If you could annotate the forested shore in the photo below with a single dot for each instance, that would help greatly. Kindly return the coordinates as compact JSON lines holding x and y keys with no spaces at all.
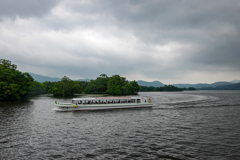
{"x":165,"y":88}
{"x":15,"y":85}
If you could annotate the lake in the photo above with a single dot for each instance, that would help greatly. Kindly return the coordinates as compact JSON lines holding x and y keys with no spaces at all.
{"x":180,"y":126}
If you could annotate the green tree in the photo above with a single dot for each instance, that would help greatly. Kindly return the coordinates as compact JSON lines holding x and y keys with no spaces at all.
{"x":98,"y":86}
{"x":91,"y":87}
{"x":191,"y":89}
{"x":14,"y":85}
{"x":135,"y":86}
{"x":66,"y":87}
{"x":120,"y":86}
{"x":37,"y":88}
{"x":102,"y":82}
{"x":48,"y":86}
{"x":164,"y":88}
{"x":77,"y":87}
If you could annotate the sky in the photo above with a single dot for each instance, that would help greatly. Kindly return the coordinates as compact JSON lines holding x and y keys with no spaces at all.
{"x":172,"y":41}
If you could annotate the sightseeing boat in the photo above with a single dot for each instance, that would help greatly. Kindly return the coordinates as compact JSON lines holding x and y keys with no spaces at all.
{"x":104,"y":103}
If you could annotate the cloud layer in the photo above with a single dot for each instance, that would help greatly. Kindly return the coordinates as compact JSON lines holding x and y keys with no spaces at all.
{"x":170,"y":41}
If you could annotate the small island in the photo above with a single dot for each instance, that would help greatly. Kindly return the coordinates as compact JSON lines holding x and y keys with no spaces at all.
{"x":15,"y":85}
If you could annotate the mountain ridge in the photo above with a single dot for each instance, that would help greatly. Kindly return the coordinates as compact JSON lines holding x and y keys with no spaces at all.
{"x":202,"y":85}
{"x":41,"y":78}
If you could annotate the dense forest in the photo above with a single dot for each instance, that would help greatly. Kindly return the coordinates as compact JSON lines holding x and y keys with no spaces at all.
{"x":114,"y":85}
{"x":15,"y":85}
{"x":164,"y":88}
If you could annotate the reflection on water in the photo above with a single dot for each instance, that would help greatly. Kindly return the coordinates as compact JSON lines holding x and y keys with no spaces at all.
{"x":181,"y":125}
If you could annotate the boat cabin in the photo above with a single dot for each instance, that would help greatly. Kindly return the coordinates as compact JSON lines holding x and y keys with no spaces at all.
{"x":106,"y":100}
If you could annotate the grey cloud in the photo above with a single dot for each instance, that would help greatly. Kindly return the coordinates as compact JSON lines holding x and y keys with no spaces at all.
{"x":207,"y":33}
{"x":26,"y":8}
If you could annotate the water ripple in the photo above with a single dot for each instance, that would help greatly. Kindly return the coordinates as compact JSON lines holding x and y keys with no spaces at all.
{"x":181,"y":126}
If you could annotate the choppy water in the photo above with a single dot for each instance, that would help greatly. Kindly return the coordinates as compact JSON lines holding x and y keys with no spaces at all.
{"x":180,"y":126}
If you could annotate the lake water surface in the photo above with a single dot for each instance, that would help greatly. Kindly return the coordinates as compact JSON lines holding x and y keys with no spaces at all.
{"x":180,"y":126}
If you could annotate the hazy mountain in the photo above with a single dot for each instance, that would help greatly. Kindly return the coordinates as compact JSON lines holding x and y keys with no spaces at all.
{"x":202,"y":85}
{"x":220,"y":84}
{"x":154,"y":83}
{"x":41,"y":78}
{"x":235,"y":86}
{"x":235,"y":81}
{"x":86,"y":80}
{"x":199,"y":85}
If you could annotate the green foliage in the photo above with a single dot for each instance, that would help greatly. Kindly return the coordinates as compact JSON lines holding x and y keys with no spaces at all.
{"x":37,"y":88}
{"x":120,"y":86}
{"x":97,"y":86}
{"x":77,"y":87}
{"x":165,"y":88}
{"x":114,"y":85}
{"x":48,"y":86}
{"x":66,"y":87}
{"x":14,"y":85}
{"x":135,"y":86}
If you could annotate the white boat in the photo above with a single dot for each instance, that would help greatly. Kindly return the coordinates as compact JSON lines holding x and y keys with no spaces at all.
{"x":103,"y":103}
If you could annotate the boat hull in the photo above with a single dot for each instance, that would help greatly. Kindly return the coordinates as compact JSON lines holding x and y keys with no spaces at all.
{"x":101,"y":107}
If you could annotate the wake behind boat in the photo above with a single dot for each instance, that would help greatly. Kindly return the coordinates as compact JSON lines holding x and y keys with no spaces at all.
{"x":103,"y":103}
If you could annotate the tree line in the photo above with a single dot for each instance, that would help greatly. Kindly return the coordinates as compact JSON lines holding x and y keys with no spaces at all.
{"x":15,"y":85}
{"x":164,"y":88}
{"x":115,"y":85}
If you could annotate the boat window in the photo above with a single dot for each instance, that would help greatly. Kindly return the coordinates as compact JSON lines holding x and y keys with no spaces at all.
{"x":73,"y":101}
{"x":79,"y":102}
{"x":138,"y":100}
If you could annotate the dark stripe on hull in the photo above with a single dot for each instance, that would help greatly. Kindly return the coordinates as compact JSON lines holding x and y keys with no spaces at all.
{"x":93,"y":108}
{"x":111,"y":108}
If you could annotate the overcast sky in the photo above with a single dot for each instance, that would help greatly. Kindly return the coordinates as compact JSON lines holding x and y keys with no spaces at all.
{"x":172,"y":41}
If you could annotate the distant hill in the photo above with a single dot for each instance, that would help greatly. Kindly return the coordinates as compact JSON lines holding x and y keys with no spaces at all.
{"x":202,"y":85}
{"x":235,"y":81}
{"x":86,"y":80}
{"x":154,"y":83}
{"x":235,"y":86}
{"x":41,"y":78}
{"x":199,"y":85}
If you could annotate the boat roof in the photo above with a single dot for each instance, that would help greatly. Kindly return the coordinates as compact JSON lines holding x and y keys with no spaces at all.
{"x":103,"y":98}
